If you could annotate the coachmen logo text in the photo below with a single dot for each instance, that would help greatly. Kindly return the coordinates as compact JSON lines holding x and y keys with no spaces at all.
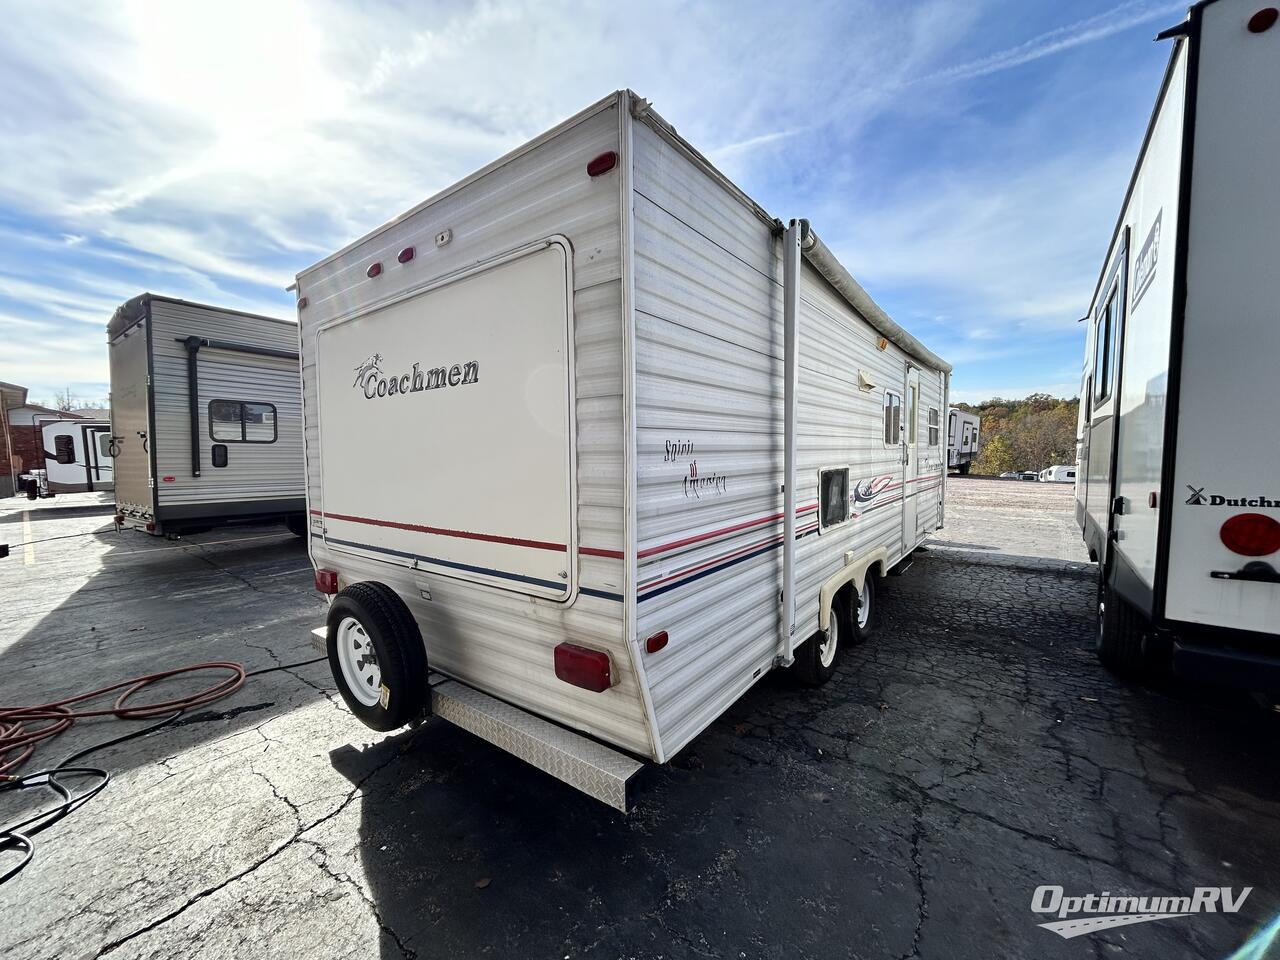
{"x":1199,"y":498}
{"x":372,"y":382}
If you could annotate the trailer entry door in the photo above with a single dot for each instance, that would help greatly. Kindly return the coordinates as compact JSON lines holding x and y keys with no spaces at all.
{"x":446,"y":427}
{"x":910,"y":459}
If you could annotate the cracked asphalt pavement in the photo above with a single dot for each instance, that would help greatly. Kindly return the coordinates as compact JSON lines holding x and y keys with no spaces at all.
{"x":971,"y":751}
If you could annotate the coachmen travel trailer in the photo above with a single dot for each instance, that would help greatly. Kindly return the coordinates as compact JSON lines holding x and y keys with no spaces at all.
{"x":640,"y":443}
{"x":962,"y":439}
{"x":206,"y":418}
{"x":1179,"y":488}
{"x":77,"y":454}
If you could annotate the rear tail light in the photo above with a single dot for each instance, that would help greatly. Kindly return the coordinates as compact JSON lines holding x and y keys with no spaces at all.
{"x":1251,"y":534}
{"x":327,"y":581}
{"x":119,"y":519}
{"x":151,"y":528}
{"x":583,"y":667}
{"x":1263,"y":20}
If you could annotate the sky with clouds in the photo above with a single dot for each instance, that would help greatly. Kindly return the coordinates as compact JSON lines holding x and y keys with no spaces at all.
{"x":965,"y":160}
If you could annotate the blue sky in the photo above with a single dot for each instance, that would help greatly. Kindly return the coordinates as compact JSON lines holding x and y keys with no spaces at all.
{"x":965,"y":160}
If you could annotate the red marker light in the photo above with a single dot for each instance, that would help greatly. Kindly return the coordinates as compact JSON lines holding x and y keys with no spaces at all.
{"x":302,"y":303}
{"x":374,"y":270}
{"x":1264,"y":20}
{"x":583,"y":667}
{"x":656,"y":642}
{"x":602,"y":164}
{"x":327,"y":581}
{"x":151,"y":528}
{"x":1251,"y":534}
{"x":405,"y":255}
{"x":168,"y":479}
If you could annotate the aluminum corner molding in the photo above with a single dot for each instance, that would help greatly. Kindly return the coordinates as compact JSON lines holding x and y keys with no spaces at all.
{"x":791,"y":244}
{"x":825,"y":262}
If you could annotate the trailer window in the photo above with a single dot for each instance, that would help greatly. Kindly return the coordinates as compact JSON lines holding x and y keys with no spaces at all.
{"x":240,"y":421}
{"x":892,"y":418}
{"x":934,"y":425}
{"x":833,"y":497}
{"x":1102,"y":359}
{"x":104,"y":444}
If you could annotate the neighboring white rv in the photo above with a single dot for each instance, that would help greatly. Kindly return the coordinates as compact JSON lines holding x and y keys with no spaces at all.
{"x":1179,"y":490}
{"x":962,"y":439}
{"x":1058,"y":473}
{"x":77,"y":454}
{"x":206,"y":418}
{"x":637,"y":444}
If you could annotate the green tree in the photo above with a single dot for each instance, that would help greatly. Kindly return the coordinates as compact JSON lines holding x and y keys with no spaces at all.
{"x":995,"y":457}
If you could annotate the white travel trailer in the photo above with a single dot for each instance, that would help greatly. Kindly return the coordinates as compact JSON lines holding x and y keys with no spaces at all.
{"x":962,"y":439}
{"x":77,"y":454}
{"x":1058,"y":473}
{"x":643,"y":443}
{"x":1179,"y":488}
{"x":206,"y":417}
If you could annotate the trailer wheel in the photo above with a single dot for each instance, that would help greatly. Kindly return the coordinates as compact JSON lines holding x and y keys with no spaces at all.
{"x":1120,"y":632}
{"x":818,"y":656}
{"x":377,"y":656}
{"x":862,"y":615}
{"x":963,"y":469}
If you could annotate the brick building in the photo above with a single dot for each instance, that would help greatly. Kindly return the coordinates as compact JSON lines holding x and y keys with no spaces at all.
{"x":21,"y":448}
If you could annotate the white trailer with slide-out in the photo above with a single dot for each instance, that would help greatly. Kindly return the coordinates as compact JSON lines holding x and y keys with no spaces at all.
{"x":962,"y":439}
{"x":639,"y":444}
{"x":77,"y":454}
{"x":1178,"y":493}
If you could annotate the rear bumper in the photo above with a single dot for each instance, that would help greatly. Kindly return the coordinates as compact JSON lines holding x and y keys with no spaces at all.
{"x":597,"y":770}
{"x":1227,"y":666}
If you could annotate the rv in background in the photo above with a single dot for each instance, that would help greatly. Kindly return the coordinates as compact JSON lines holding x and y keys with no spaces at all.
{"x":962,"y":439}
{"x":206,"y":419}
{"x":77,"y":454}
{"x":640,"y":447}
{"x":1059,"y":473}
{"x":1179,"y":488}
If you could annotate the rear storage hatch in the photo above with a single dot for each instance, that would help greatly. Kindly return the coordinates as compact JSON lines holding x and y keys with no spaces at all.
{"x":446,"y":421}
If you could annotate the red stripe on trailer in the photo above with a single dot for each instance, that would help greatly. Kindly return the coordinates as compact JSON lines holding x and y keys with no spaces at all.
{"x":445,"y":532}
{"x":699,"y":537}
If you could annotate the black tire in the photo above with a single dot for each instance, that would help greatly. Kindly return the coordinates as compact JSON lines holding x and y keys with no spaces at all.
{"x":809,"y":666}
{"x":33,"y":489}
{"x":1120,"y":634}
{"x":384,"y":622}
{"x":861,"y":628}
{"x":297,"y":524}
{"x":964,"y":468}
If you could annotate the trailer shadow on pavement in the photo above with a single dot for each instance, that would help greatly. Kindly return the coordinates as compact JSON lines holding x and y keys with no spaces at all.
{"x":910,"y":808}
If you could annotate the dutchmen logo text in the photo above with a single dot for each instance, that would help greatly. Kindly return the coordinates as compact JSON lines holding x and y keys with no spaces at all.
{"x":372,"y":382}
{"x":1199,"y":498}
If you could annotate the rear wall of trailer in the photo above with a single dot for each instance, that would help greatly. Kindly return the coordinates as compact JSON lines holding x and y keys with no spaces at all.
{"x":1226,"y":434}
{"x":264,"y":469}
{"x":480,"y":623}
{"x":709,"y":422}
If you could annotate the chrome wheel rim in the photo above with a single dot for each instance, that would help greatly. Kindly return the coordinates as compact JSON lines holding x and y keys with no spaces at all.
{"x":864,"y":606}
{"x":830,"y":643}
{"x":358,"y":661}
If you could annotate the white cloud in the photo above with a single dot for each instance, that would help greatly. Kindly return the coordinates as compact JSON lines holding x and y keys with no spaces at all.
{"x":1098,"y":27}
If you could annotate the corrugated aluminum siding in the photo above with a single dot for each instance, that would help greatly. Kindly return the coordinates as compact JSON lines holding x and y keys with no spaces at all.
{"x":495,"y":640}
{"x":254,"y":471}
{"x":709,"y":393}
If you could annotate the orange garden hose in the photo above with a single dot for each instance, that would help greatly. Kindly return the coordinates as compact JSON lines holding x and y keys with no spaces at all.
{"x":17,"y":734}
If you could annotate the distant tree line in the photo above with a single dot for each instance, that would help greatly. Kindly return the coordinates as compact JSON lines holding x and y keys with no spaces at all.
{"x":1030,"y":434}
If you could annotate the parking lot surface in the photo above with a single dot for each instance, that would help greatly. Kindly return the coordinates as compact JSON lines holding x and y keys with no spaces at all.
{"x":971,"y":752}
